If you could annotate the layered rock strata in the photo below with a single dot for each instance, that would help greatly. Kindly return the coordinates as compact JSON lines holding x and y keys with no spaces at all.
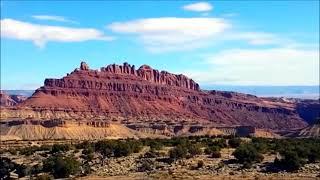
{"x":145,"y":95}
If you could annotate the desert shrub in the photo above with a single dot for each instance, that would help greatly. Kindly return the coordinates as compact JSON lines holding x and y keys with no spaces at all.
{"x":178,"y":152}
{"x":60,"y":148}
{"x":290,"y":161}
{"x":23,"y":170}
{"x":122,"y":149}
{"x":151,"y":154}
{"x":6,"y":166}
{"x":234,"y":142}
{"x":84,"y":145}
{"x":216,"y":154}
{"x":264,"y":145}
{"x":61,"y":167}
{"x":247,"y":154}
{"x":220,"y":143}
{"x":119,"y":148}
{"x":87,"y":154}
{"x":135,"y":145}
{"x":29,"y":150}
{"x":261,"y":147}
{"x":175,"y":141}
{"x":200,"y":164}
{"x":194,"y":149}
{"x":105,"y":147}
{"x":88,"y":150}
{"x":36,"y":169}
{"x":210,"y":149}
{"x":45,"y":148}
{"x":314,"y":154}
{"x":156,"y":145}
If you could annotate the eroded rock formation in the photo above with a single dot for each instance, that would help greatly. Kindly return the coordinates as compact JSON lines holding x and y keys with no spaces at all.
{"x":145,"y":95}
{"x":10,"y":100}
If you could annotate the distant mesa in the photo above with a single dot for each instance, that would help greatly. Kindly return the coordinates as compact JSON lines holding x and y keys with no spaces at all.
{"x":148,"y":99}
{"x":10,"y":100}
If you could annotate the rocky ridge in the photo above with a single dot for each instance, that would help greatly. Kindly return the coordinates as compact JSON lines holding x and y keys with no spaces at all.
{"x":145,"y":95}
{"x":10,"y":100}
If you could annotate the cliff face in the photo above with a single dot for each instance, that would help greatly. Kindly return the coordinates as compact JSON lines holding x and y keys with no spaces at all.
{"x":145,"y":95}
{"x":10,"y":100}
{"x":309,"y":110}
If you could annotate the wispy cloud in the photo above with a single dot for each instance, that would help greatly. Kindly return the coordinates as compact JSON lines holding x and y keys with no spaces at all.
{"x":41,"y":34}
{"x":172,"y":33}
{"x":176,"y":34}
{"x":256,"y":38}
{"x":273,"y":66}
{"x":198,"y":7}
{"x":53,"y":18}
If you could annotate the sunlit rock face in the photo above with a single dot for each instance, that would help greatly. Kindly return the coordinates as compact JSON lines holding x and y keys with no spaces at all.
{"x":149,"y":96}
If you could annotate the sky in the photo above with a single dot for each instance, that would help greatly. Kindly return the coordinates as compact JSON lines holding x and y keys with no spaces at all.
{"x":258,"y":43}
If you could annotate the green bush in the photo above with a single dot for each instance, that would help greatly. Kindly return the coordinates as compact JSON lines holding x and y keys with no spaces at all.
{"x":210,"y":149}
{"x":234,"y":142}
{"x":122,"y":149}
{"x":105,"y":147}
{"x":178,"y":152}
{"x":290,"y":161}
{"x":220,"y":143}
{"x":156,"y":145}
{"x":60,"y":148}
{"x":61,"y":167}
{"x":118,"y":148}
{"x":32,"y":149}
{"x":194,"y":149}
{"x":247,"y":154}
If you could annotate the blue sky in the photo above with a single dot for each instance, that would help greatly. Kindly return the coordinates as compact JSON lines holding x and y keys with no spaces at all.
{"x":213,"y":42}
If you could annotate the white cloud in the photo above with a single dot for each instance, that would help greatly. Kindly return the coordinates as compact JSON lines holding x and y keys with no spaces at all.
{"x":172,"y":33}
{"x":53,"y":18}
{"x":275,"y":66}
{"x":41,"y":34}
{"x":176,"y":34}
{"x":198,"y":7}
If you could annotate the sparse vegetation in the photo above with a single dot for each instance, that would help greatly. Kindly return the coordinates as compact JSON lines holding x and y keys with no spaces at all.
{"x":61,"y":167}
{"x":61,"y":162}
{"x":194,"y":149}
{"x":178,"y":152}
{"x":247,"y":154}
{"x":234,"y":142}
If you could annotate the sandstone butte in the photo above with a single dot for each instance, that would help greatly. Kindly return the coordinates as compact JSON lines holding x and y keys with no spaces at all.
{"x":147,"y":96}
